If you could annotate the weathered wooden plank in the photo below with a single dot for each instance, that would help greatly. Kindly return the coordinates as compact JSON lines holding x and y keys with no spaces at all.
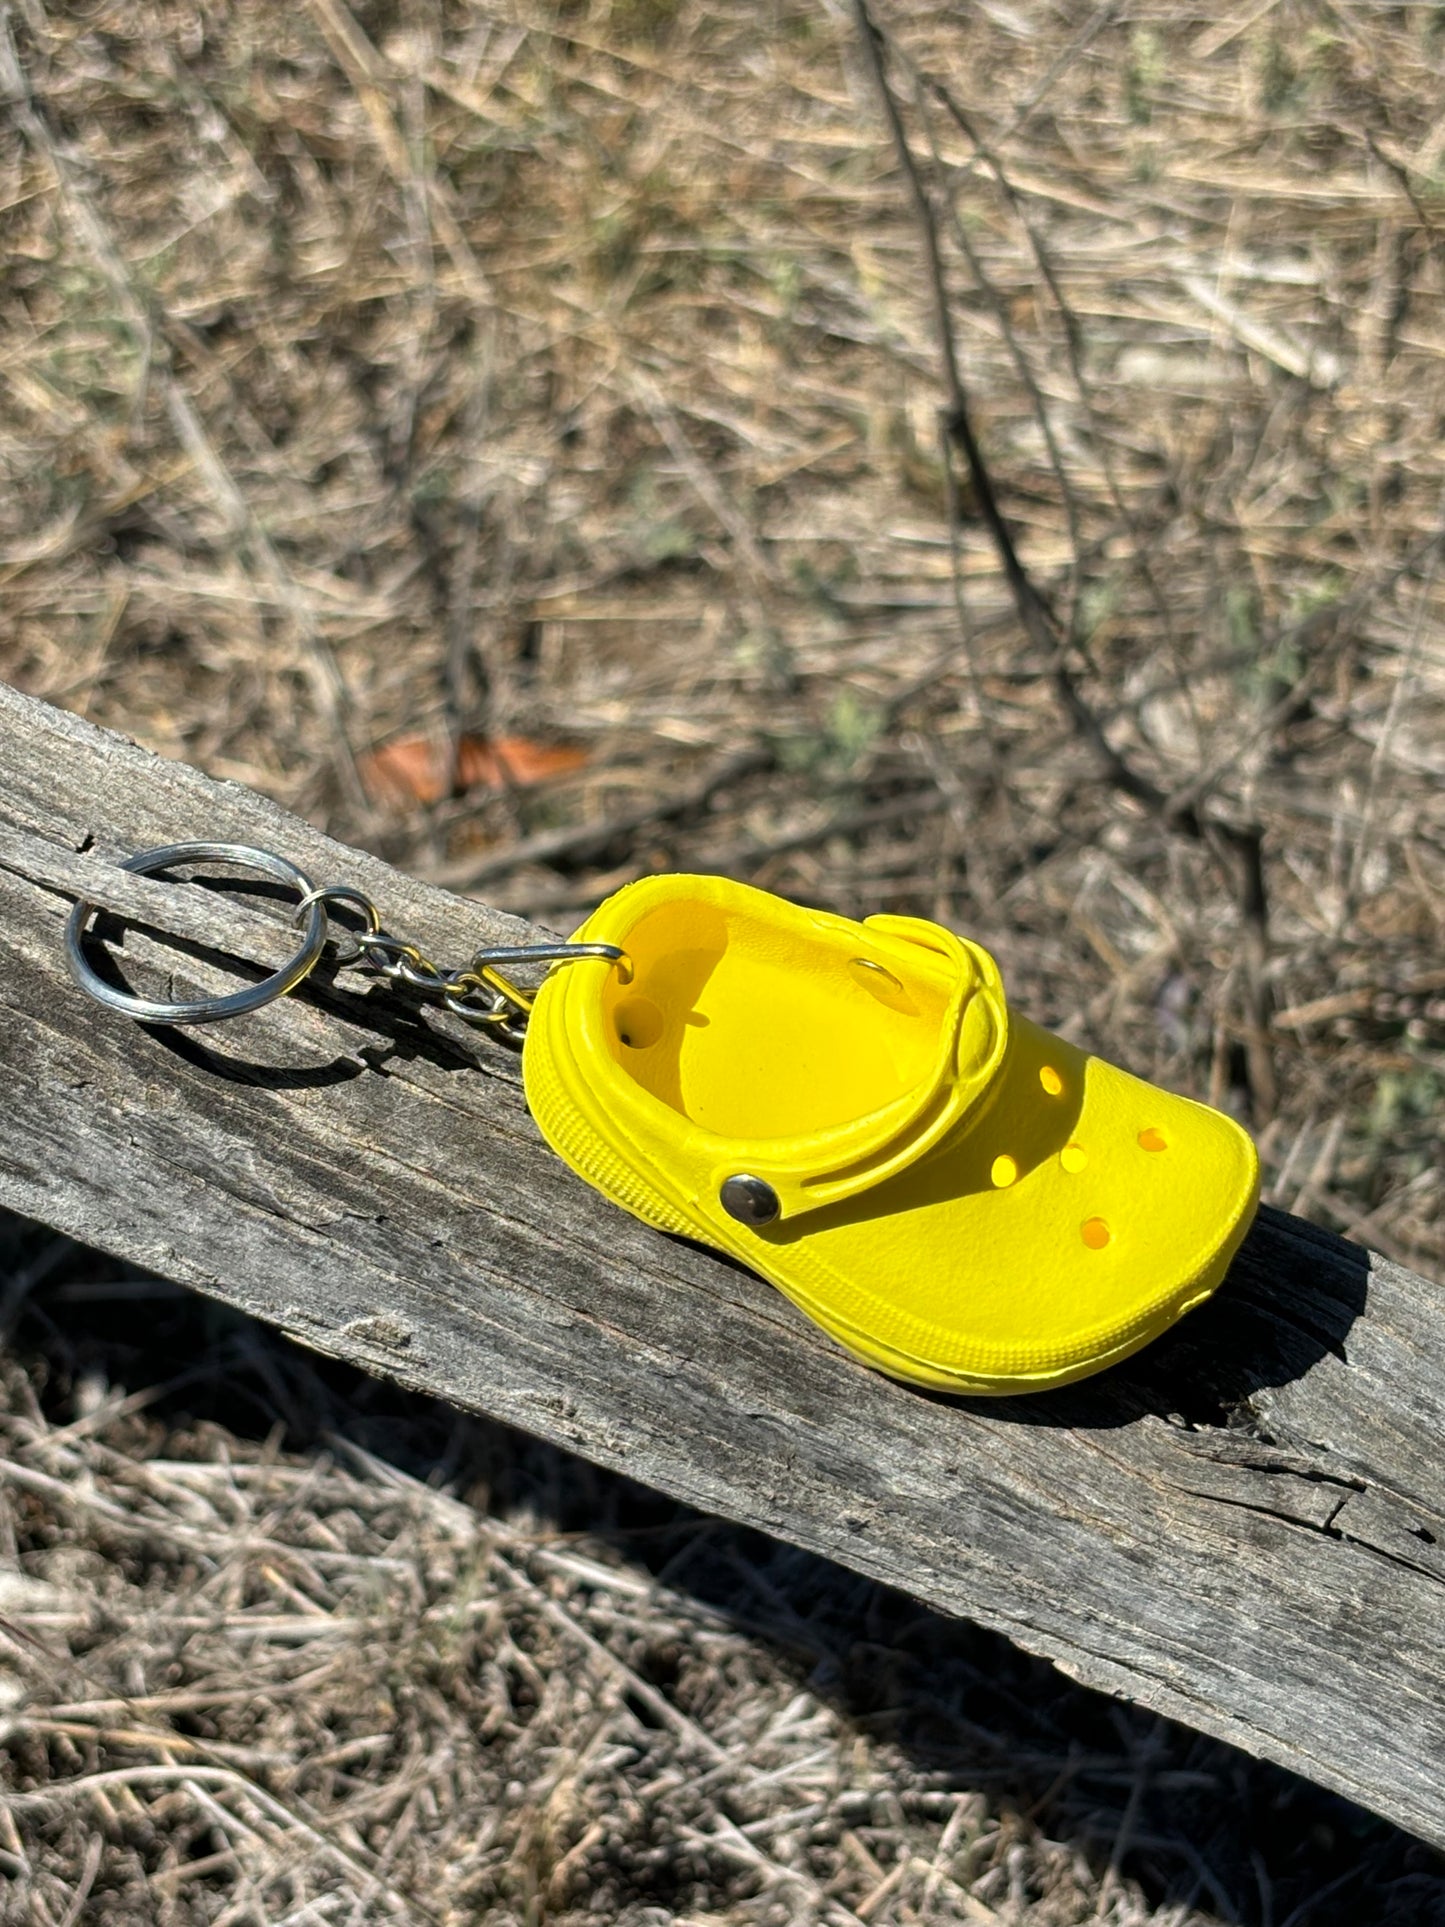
{"x":1244,"y":1527}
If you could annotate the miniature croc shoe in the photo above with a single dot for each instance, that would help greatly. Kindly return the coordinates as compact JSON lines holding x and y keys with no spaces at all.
{"x":958,"y":1197}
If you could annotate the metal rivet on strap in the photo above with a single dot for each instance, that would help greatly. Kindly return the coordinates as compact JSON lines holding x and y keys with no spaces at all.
{"x":749,"y":1200}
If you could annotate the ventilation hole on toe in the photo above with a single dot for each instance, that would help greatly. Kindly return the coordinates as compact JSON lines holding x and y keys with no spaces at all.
{"x":1073,"y":1157}
{"x":1051,"y":1080}
{"x":1152,"y":1140}
{"x":1004,"y":1171}
{"x":1095,"y":1233}
{"x":639,"y":1023}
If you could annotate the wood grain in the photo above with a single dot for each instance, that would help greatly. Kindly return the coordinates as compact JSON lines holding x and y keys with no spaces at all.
{"x":1243,"y":1528}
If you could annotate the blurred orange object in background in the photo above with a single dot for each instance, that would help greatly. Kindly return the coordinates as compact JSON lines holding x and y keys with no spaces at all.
{"x":418,"y":769}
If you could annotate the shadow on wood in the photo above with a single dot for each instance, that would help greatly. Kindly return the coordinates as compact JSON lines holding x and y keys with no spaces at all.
{"x":1258,"y":1333}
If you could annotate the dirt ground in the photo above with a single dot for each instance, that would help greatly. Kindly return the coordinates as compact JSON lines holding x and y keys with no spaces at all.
{"x":510,"y":435}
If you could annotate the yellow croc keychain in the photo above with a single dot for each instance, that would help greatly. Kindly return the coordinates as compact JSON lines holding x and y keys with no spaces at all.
{"x":852,"y":1109}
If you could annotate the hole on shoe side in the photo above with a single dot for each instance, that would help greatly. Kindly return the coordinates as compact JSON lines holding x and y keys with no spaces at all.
{"x":1152,"y":1140}
{"x":1095,"y":1233}
{"x":639,"y":1023}
{"x":1051,"y":1081}
{"x":1004,"y":1171}
{"x":1073,"y":1157}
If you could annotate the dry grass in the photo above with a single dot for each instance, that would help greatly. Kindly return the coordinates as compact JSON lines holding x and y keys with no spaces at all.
{"x":568,"y":371}
{"x":283,"y":1646}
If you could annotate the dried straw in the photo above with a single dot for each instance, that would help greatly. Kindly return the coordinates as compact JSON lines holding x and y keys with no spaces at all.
{"x":278,"y":1644}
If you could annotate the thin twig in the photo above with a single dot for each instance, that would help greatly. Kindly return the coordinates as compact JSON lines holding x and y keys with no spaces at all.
{"x":1239,"y":847}
{"x":1069,"y":327}
{"x":1042,"y":415}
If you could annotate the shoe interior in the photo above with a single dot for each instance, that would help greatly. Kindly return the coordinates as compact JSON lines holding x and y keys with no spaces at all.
{"x":755,"y":1029}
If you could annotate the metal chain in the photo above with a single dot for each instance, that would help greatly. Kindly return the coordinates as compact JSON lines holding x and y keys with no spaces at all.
{"x":478,"y":993}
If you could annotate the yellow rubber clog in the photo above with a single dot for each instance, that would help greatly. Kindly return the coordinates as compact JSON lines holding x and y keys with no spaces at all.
{"x":851,"y":1109}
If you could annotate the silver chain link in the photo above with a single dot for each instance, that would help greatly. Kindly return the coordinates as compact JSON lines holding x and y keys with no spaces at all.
{"x":478,"y":993}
